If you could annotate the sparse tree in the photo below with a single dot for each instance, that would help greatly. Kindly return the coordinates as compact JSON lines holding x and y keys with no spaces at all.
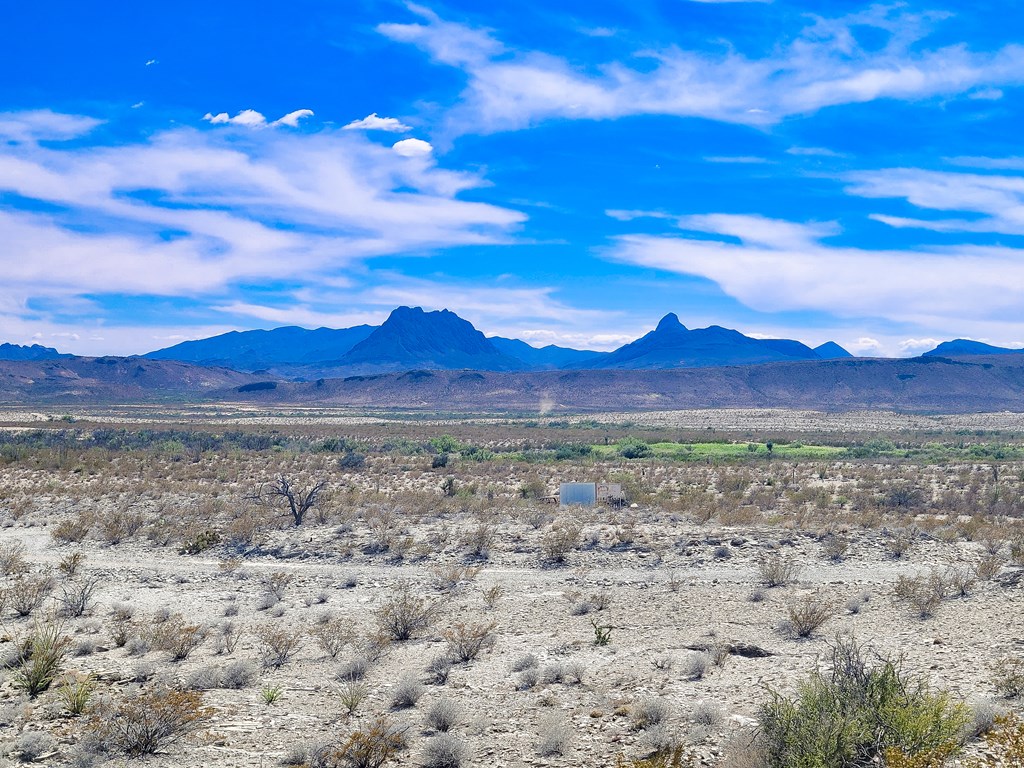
{"x":299,"y":501}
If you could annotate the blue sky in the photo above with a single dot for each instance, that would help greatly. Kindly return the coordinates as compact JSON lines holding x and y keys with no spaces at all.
{"x":810,"y":170}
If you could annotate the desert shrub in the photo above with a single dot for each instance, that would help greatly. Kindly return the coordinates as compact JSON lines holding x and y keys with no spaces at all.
{"x":372,"y":745}
{"x":26,"y":593}
{"x":706,"y":714}
{"x":333,"y":635}
{"x":922,"y":592}
{"x":238,"y":674}
{"x":177,"y":637}
{"x":959,"y":582}
{"x":72,"y":531}
{"x":526,"y":661}
{"x":553,"y":735}
{"x":406,"y":693}
{"x":444,"y":751}
{"x":41,"y":654}
{"x":466,"y":641}
{"x":12,"y":559}
{"x":776,"y":570}
{"x":353,"y":669}
{"x":119,"y":525}
{"x":277,"y":582}
{"x":404,"y":614}
{"x":276,"y":646}
{"x":442,"y":715}
{"x":352,"y":695}
{"x":32,"y":745}
{"x":145,"y":722}
{"x":633,"y":448}
{"x":265,"y":601}
{"x":650,"y":712}
{"x":138,"y":646}
{"x":806,"y":616}
{"x":76,"y":596}
{"x":70,"y":564}
{"x":438,"y":669}
{"x":1004,"y":744}
{"x":697,"y":665}
{"x":900,"y":541}
{"x":851,"y":714}
{"x":1008,"y":676}
{"x":202,"y":542}
{"x":988,"y":567}
{"x":670,"y":757}
{"x":493,"y":594}
{"x":558,"y":542}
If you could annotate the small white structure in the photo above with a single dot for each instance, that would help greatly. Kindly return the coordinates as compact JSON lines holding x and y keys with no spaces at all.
{"x":590,"y":494}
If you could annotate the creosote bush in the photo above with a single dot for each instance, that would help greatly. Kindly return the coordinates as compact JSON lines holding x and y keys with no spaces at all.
{"x":777,"y":570}
{"x":404,"y":614}
{"x":145,"y":722}
{"x":851,"y":714}
{"x":466,"y":641}
{"x":371,"y":746}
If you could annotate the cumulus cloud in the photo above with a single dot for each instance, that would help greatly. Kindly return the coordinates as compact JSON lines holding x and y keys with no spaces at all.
{"x":250,"y":118}
{"x":412,"y":147}
{"x":826,"y":64}
{"x":374,"y":123}
{"x":220,"y":208}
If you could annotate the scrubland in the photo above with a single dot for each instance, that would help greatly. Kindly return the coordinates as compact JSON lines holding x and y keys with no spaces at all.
{"x":241,"y":589}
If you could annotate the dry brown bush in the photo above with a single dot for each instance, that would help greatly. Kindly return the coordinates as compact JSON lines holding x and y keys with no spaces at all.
{"x":466,"y":641}
{"x":404,"y":614}
{"x":177,"y":637}
{"x":276,"y":645}
{"x":145,"y":722}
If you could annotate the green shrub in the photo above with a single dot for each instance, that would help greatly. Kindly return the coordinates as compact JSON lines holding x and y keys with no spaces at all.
{"x":633,"y":448}
{"x":857,"y":711}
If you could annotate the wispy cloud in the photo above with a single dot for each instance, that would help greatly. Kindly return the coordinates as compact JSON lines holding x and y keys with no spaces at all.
{"x":826,"y":64}
{"x":197,"y":212}
{"x":993,"y":203}
{"x":773,"y":265}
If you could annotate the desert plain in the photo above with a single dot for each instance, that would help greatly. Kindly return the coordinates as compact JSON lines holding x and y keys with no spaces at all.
{"x":433,"y":595}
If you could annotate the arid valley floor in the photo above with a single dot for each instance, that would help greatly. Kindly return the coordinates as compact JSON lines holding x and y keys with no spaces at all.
{"x":538,"y":634}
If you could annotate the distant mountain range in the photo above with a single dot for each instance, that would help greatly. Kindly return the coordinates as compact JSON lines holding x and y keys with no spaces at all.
{"x":964,"y":347}
{"x":926,"y":384}
{"x":34,"y":352}
{"x":411,"y":339}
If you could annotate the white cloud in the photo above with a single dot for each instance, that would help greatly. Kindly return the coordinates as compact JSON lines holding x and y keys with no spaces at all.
{"x":42,"y":124}
{"x":917,"y":346}
{"x":772,"y":265}
{"x":243,"y":206}
{"x":250,"y":118}
{"x":824,"y":65}
{"x":994,"y":163}
{"x":412,"y":147}
{"x":292,"y":118}
{"x":151,"y":62}
{"x":999,"y":199}
{"x":812,"y":152}
{"x":737,"y":159}
{"x":373,"y":123}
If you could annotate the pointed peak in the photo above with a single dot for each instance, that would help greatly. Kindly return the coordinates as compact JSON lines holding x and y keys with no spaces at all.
{"x":670,"y":322}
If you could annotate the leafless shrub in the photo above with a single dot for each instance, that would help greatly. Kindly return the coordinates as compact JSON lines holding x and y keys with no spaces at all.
{"x":806,"y":616}
{"x":145,"y":722}
{"x":466,"y":641}
{"x":706,"y":714}
{"x":276,"y":646}
{"x":404,"y":614}
{"x":558,"y":542}
{"x":70,"y":564}
{"x":1008,"y":676}
{"x":177,"y":637}
{"x":989,"y":567}
{"x":449,"y":577}
{"x":959,"y":582}
{"x":777,"y":570}
{"x":31,"y":746}
{"x":120,"y":525}
{"x":493,"y":594}
{"x":900,"y":541}
{"x":76,"y":596}
{"x":438,"y":669}
{"x":922,"y":592}
{"x":26,"y":593}
{"x":527,"y":661}
{"x":277,"y":582}
{"x":333,"y":635}
{"x":71,"y":531}
{"x":371,"y":746}
{"x":12,"y":559}
{"x":298,"y":501}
